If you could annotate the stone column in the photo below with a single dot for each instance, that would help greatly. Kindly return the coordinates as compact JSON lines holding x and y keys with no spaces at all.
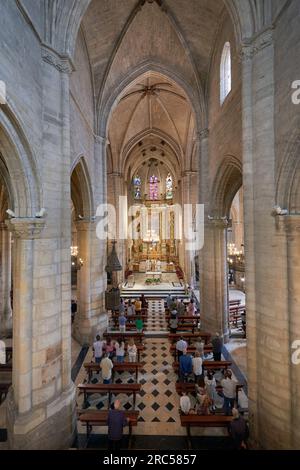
{"x":5,"y":283}
{"x":265,"y":252}
{"x":86,"y":324}
{"x":118,"y":190}
{"x":215,"y":285}
{"x":292,"y":227}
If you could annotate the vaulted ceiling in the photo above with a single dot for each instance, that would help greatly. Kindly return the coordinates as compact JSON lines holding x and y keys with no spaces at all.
{"x":179,"y":33}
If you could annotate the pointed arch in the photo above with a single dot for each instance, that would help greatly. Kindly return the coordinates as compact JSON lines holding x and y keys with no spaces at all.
{"x":227,"y":182}
{"x":81,"y":189}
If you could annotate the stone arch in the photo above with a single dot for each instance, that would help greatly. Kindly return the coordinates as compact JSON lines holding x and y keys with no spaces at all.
{"x":288,"y":181}
{"x":107,"y":107}
{"x":81,"y":188}
{"x":19,"y":166}
{"x":227,"y":182}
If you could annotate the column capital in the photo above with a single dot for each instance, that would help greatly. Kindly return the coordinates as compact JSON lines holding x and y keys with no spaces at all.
{"x":85,"y":224}
{"x":203,"y":134}
{"x":62,"y":63}
{"x":26,"y":228}
{"x":259,"y":42}
{"x":99,"y":139}
{"x":219,"y":222}
{"x":187,"y":173}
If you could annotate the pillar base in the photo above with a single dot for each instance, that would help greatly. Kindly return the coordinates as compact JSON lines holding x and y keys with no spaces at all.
{"x":48,"y":427}
{"x":84,"y":330}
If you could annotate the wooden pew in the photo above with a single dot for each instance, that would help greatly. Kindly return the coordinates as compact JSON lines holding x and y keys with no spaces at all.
{"x":133,"y":367}
{"x":110,"y":389}
{"x":4,"y":387}
{"x":6,"y":367}
{"x":184,"y":318}
{"x":189,"y":336}
{"x":128,"y":334}
{"x":99,"y":418}
{"x":129,"y":327}
{"x":191,"y":350}
{"x":209,"y":421}
{"x":211,"y":365}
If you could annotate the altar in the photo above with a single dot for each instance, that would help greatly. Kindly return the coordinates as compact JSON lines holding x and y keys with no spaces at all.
{"x":154,"y":274}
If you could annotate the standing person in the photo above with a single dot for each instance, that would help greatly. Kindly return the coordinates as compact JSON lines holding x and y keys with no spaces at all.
{"x":191,"y":308}
{"x":185,"y":366}
{"x":180,"y":308}
{"x":116,"y":421}
{"x":173,"y":324}
{"x":199,"y":346}
{"x":138,"y":306}
{"x":122,"y":323}
{"x":204,"y":402}
{"x":106,"y":366}
{"x":210,"y":385}
{"x":238,"y":430}
{"x":217,"y":346}
{"x":229,"y":391}
{"x":120,"y":350}
{"x":144,"y":301}
{"x":139,"y":325}
{"x":130,"y":311}
{"x":98,"y":349}
{"x":132,"y":350}
{"x":181,"y":345}
{"x":197,"y":368}
{"x":121,"y":306}
{"x":169,"y":301}
{"x":109,"y":348}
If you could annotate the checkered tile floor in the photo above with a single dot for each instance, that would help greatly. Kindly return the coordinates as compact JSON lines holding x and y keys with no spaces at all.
{"x":156,"y":316}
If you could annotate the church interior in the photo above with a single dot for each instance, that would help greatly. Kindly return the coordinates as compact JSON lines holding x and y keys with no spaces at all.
{"x":149,"y":216}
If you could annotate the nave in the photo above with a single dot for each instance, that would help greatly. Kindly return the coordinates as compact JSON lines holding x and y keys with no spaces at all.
{"x":157,"y":402}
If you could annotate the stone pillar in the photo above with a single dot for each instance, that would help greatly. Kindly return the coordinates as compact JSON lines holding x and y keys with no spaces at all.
{"x":265,"y":255}
{"x":292,"y":227}
{"x":119,"y":190}
{"x":215,"y":286}
{"x":5,"y":281}
{"x":88,"y":320}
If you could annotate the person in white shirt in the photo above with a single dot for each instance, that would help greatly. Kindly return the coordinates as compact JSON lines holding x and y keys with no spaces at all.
{"x":132,"y":351}
{"x":106,"y":366}
{"x":130,"y":311}
{"x":197,"y":367}
{"x":98,"y":349}
{"x":185,"y":404}
{"x":229,"y":391}
{"x":181,"y":346}
{"x":120,"y":350}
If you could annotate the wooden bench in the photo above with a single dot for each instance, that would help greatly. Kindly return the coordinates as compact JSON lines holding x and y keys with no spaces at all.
{"x":4,"y":387}
{"x":129,"y":328}
{"x":202,"y":421}
{"x":133,"y":367}
{"x":110,"y":389}
{"x":99,"y":418}
{"x":192,"y":327}
{"x":184,"y":318}
{"x":6,"y":367}
{"x":128,"y":334}
{"x":207,"y":348}
{"x":189,"y":336}
{"x":211,"y":365}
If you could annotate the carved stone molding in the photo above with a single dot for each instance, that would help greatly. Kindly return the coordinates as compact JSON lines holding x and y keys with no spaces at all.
{"x":62,"y":63}
{"x":257,"y":44}
{"x":203,"y":134}
{"x":219,"y":222}
{"x":26,"y":228}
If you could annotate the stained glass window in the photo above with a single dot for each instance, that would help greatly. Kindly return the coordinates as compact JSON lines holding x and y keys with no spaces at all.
{"x":153,"y":188}
{"x":137,"y":187}
{"x":169,"y":187}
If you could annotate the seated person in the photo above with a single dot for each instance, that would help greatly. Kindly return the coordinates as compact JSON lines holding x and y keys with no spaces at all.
{"x":185,"y":404}
{"x":203,"y":401}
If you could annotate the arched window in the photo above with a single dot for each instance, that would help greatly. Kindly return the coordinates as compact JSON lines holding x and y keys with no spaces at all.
{"x":153,"y":188}
{"x":169,"y":187}
{"x":225,"y":72}
{"x":137,"y":183}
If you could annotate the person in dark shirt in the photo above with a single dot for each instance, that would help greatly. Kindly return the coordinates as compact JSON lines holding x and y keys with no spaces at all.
{"x":217,"y":345}
{"x":238,"y":430}
{"x":116,"y":421}
{"x":185,"y":366}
